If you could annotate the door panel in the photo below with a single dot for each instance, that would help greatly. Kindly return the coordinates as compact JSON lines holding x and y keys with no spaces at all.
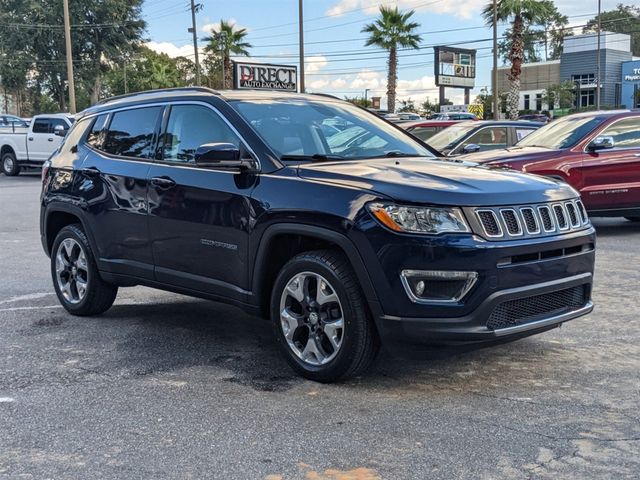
{"x":199,"y":218}
{"x":611,"y":178}
{"x":115,"y":189}
{"x":41,"y":141}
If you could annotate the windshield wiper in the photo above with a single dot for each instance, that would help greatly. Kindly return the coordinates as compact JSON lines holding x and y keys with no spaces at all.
{"x":398,"y":153}
{"x":316,"y":157}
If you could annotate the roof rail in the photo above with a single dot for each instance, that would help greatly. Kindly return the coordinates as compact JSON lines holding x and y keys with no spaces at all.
{"x":328,"y":95}
{"x":176,"y":89}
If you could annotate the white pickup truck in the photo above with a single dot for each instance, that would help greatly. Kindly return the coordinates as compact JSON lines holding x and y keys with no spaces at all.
{"x":30,"y":147}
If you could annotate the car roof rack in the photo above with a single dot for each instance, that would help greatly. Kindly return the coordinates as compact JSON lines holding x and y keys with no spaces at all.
{"x":176,"y":89}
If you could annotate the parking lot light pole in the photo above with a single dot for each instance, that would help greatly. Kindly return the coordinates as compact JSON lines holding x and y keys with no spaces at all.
{"x":67,"y":41}
{"x":195,"y":41}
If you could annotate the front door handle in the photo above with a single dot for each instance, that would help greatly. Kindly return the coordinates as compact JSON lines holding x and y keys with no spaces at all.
{"x":90,"y":172}
{"x":30,"y":139}
{"x":50,"y":139}
{"x":163,"y":182}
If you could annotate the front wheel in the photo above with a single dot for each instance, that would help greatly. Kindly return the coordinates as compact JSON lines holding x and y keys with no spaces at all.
{"x":76,"y":278}
{"x":10,"y":165}
{"x":320,"y":317}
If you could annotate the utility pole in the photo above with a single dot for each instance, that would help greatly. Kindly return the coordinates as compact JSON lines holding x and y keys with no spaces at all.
{"x":67,"y":40}
{"x":195,"y":40}
{"x":222,"y":38}
{"x":301,"y":42}
{"x":494,"y":72}
{"x":124,"y":75}
{"x":366,"y":91}
{"x":598,"y":61}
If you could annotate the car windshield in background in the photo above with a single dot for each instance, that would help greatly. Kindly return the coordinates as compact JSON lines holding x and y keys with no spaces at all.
{"x":307,"y":130}
{"x":563,"y":133}
{"x":449,"y":137}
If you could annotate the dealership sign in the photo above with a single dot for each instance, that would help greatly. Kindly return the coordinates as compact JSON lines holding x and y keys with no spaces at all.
{"x":262,"y":76}
{"x":454,"y":67}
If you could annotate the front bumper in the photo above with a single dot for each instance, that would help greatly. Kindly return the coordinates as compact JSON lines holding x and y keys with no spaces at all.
{"x":473,"y":327}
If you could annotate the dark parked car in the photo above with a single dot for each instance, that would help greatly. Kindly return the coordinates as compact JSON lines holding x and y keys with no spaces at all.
{"x":480,"y":136}
{"x":425,"y":129}
{"x":239,"y":197}
{"x":535,"y":117}
{"x":598,"y":153}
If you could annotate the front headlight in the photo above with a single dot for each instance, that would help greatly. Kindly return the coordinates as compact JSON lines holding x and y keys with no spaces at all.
{"x":431,"y":220}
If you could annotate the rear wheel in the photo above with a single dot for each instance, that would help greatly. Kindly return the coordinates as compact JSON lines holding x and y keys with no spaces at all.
{"x":320,"y":317}
{"x":10,"y":165}
{"x":76,"y":279}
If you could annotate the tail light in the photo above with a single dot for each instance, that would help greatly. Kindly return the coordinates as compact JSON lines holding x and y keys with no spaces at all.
{"x":45,"y":170}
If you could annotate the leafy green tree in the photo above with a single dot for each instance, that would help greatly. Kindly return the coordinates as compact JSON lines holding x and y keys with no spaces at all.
{"x":391,"y":30}
{"x":521,"y":14}
{"x":562,"y":95}
{"x":624,"y":19}
{"x":407,"y":105}
{"x":427,"y":106}
{"x":224,"y":42}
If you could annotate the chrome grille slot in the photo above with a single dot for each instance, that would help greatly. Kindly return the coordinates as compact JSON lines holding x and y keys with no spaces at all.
{"x":489,"y":223}
{"x":561,"y":217}
{"x":573,"y":215}
{"x":530,"y":220}
{"x":582,"y":211}
{"x":511,"y":221}
{"x":547,"y":219}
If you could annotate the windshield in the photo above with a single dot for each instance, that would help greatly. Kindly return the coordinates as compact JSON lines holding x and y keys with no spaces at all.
{"x":563,"y":133}
{"x":307,"y":130}
{"x":449,"y":137}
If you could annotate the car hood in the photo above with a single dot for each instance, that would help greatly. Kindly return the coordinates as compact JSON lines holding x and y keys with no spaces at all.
{"x":513,"y":153}
{"x":438,"y":182}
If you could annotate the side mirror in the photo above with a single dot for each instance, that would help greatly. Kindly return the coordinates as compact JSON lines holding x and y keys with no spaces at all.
{"x":471,"y":148}
{"x":600,"y":143}
{"x":224,"y":156}
{"x":59,"y":131}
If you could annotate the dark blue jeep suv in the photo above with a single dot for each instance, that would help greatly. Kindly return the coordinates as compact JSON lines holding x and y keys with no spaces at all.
{"x":338,"y":226}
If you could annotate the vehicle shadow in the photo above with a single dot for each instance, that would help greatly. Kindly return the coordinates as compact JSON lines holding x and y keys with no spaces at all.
{"x":615,"y":227}
{"x":167,"y":338}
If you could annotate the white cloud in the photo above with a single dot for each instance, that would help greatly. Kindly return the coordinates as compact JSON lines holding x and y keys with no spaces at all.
{"x":460,"y":8}
{"x":314,"y":64}
{"x":173,"y":50}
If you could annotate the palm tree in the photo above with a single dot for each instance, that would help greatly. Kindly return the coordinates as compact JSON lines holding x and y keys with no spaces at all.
{"x":522,"y":14}
{"x":392,"y":29}
{"x":227,"y":41}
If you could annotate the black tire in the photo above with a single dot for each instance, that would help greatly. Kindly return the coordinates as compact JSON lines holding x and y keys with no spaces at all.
{"x":99,"y":295}
{"x":633,"y":219}
{"x":360,"y":341}
{"x":10,"y":165}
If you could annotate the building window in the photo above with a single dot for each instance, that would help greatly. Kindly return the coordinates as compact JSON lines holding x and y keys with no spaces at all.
{"x":527,"y":103}
{"x":584,"y":78}
{"x":587,"y":97}
{"x":538,"y":101}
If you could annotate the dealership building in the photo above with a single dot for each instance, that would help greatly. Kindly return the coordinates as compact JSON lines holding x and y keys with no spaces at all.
{"x":619,"y":73}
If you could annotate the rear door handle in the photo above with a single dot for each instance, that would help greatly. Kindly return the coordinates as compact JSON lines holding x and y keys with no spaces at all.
{"x":163,"y":182}
{"x":90,"y":172}
{"x":31,"y":139}
{"x":50,"y":139}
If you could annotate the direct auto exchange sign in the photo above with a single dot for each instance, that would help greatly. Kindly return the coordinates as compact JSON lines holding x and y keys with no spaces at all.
{"x":262,"y":76}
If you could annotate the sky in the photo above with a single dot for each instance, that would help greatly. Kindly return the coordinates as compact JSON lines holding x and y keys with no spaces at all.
{"x":337,"y":62}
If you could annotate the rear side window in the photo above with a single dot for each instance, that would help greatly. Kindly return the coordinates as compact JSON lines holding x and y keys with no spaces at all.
{"x":424,"y":133}
{"x":41,"y":125}
{"x":191,"y":126}
{"x":132,"y":132}
{"x":73,"y":137}
{"x":95,"y":136}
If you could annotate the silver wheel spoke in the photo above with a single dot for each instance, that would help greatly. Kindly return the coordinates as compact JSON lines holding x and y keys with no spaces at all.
{"x":292,"y":323}
{"x":81,"y":287}
{"x":325,"y":294}
{"x":295,"y":288}
{"x":82,"y":261}
{"x":332,"y":331}
{"x":311,"y":349}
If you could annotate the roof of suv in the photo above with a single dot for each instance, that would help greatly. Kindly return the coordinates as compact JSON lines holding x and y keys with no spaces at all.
{"x":163,"y":94}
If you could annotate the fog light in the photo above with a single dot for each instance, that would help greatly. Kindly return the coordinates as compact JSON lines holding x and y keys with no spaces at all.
{"x":437,"y":286}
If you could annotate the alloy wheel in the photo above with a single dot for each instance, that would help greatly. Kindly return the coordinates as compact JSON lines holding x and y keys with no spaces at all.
{"x":311,"y":318}
{"x":72,"y":273}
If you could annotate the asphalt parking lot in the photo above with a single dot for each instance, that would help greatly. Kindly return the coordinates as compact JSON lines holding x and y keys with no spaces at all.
{"x":165,"y":386}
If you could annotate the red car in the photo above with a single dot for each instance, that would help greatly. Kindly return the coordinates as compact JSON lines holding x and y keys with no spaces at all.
{"x":425,"y":129}
{"x":597,"y":153}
